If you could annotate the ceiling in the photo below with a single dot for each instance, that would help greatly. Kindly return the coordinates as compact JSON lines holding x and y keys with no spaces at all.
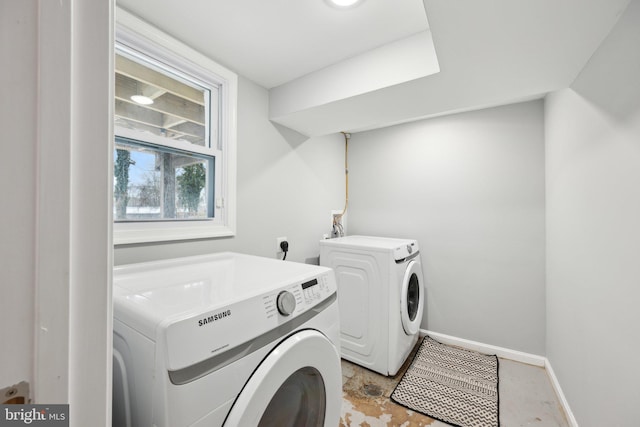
{"x":275,"y":41}
{"x":489,"y":52}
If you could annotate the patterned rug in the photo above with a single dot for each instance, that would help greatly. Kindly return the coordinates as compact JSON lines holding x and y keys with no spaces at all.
{"x":456,"y":386}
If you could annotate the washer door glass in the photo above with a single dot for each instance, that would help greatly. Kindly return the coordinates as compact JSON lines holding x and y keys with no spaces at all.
{"x":300,"y":401}
{"x":412,"y":298}
{"x":298,"y":384}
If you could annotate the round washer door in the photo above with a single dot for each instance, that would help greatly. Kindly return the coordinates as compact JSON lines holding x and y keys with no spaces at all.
{"x":298,"y":384}
{"x":412,"y":298}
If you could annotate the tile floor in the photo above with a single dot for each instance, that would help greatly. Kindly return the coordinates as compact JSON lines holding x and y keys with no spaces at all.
{"x":526,"y":399}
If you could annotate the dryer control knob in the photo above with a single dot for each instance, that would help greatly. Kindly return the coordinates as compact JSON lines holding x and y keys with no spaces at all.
{"x":286,"y":303}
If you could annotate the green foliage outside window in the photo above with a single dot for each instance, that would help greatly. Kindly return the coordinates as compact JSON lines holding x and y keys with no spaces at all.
{"x":190,"y":185}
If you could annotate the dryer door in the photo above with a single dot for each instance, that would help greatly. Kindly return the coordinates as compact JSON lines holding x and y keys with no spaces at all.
{"x":412,"y":298}
{"x":298,"y":384}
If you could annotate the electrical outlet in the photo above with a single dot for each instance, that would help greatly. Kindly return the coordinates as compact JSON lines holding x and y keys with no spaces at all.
{"x":280,"y":240}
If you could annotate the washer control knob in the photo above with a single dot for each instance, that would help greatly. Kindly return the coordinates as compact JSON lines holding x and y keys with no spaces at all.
{"x":409,"y":249}
{"x":286,"y":303}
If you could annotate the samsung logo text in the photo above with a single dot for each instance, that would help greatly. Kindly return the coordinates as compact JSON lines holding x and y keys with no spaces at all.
{"x":214,"y":317}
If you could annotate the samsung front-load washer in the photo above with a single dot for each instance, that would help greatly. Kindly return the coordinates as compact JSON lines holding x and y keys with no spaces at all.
{"x":225,"y":340}
{"x":380,"y":296}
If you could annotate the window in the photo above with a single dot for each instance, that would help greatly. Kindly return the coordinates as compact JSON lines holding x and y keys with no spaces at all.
{"x":154,"y":182}
{"x":174,"y":149}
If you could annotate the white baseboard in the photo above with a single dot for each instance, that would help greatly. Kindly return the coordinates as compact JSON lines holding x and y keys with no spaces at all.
{"x":518,"y":356}
{"x":571,"y":419}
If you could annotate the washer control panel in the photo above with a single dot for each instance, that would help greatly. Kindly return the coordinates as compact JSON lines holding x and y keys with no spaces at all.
{"x":196,"y":338}
{"x":296,"y":299}
{"x":314,"y":290}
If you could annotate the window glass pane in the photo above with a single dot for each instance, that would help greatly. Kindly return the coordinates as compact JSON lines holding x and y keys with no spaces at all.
{"x":156,"y":100}
{"x":155,"y":183}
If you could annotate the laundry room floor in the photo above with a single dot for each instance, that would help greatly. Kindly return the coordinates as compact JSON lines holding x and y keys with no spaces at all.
{"x":526,"y":399}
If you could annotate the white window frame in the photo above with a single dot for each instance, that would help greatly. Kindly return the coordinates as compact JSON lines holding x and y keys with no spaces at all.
{"x":136,"y":34}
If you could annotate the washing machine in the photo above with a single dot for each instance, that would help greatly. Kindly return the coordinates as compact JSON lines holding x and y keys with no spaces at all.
{"x":225,"y":340}
{"x":380,"y":297}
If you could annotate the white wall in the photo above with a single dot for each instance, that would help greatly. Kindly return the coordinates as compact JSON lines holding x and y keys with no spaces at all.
{"x":470,"y":188}
{"x":18,"y":41}
{"x":56,"y":248}
{"x":287,"y":186}
{"x":593,"y":232}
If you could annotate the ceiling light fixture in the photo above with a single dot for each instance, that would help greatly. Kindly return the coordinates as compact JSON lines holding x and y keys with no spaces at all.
{"x":344,"y":4}
{"x":142,"y":100}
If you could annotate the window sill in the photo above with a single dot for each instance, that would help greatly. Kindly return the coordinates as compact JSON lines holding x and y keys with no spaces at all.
{"x":126,"y":233}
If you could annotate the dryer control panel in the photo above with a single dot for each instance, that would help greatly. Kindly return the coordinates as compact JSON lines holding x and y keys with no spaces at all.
{"x":305,"y":295}
{"x":191,"y":340}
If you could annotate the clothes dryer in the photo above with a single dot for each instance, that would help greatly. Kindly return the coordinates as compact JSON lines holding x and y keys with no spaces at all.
{"x":225,"y":340}
{"x":380,"y":296}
